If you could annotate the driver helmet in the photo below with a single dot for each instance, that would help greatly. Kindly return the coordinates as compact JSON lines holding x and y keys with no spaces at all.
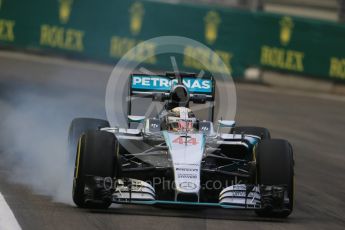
{"x":181,"y":119}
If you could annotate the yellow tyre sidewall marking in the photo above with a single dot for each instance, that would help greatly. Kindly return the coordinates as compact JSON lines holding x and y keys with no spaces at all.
{"x":78,"y":159}
{"x":254,"y":160}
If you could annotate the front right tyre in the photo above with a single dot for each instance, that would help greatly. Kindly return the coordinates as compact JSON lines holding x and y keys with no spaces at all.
{"x":97,"y":155}
{"x":79,"y":126}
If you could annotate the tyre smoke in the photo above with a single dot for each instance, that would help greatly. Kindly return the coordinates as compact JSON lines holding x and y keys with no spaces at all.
{"x":33,"y":132}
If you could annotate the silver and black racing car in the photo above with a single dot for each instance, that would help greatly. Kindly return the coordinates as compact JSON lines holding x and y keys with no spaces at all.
{"x":176,"y":158}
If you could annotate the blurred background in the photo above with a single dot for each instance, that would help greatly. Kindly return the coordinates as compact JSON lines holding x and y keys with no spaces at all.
{"x":287,"y":58}
{"x":332,"y":10}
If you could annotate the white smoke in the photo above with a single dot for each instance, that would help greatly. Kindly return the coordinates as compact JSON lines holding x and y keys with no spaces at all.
{"x":33,"y":132}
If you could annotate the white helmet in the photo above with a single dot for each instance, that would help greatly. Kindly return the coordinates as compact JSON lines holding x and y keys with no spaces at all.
{"x":180,"y":119}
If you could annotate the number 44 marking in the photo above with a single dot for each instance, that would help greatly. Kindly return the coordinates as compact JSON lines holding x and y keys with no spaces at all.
{"x":184,"y":140}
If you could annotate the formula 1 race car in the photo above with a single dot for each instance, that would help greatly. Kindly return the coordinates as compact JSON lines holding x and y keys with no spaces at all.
{"x":175,"y":158}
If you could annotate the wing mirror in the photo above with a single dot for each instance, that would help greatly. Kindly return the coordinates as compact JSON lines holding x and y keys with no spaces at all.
{"x":137,"y":119}
{"x":226,"y":123}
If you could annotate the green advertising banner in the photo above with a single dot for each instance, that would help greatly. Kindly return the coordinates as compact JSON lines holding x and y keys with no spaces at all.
{"x":104,"y":31}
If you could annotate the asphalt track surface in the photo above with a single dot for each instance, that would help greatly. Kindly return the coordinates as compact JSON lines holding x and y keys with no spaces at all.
{"x":314,"y":123}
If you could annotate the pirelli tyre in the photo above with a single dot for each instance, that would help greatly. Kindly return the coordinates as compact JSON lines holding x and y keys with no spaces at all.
{"x":97,"y":156}
{"x":79,"y":126}
{"x":261,"y":132}
{"x":275,"y":166}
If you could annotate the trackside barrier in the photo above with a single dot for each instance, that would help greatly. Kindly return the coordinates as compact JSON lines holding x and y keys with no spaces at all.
{"x":104,"y":30}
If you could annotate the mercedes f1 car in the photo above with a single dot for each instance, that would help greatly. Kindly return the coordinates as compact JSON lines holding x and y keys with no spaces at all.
{"x":176,"y":158}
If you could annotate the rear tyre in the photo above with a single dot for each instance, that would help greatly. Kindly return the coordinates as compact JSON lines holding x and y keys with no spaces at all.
{"x":97,"y":155}
{"x":78,"y":127}
{"x":263,"y":133}
{"x":275,"y":166}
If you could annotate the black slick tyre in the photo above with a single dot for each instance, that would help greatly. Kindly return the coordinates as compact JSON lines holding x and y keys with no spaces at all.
{"x":275,"y":166}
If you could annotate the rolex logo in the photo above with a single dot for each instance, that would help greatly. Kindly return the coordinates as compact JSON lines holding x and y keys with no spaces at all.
{"x":212,"y":21}
{"x":286,"y":27}
{"x":65,"y":10}
{"x":136,"y":17}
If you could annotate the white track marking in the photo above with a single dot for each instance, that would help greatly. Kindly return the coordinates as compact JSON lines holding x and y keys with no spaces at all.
{"x":292,"y":92}
{"x":7,"y":219}
{"x":56,"y":61}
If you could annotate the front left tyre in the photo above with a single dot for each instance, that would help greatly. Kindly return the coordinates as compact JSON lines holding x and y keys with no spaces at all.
{"x":275,"y":167}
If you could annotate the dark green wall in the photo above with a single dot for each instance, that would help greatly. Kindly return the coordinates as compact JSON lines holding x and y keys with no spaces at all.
{"x":101,"y":31}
